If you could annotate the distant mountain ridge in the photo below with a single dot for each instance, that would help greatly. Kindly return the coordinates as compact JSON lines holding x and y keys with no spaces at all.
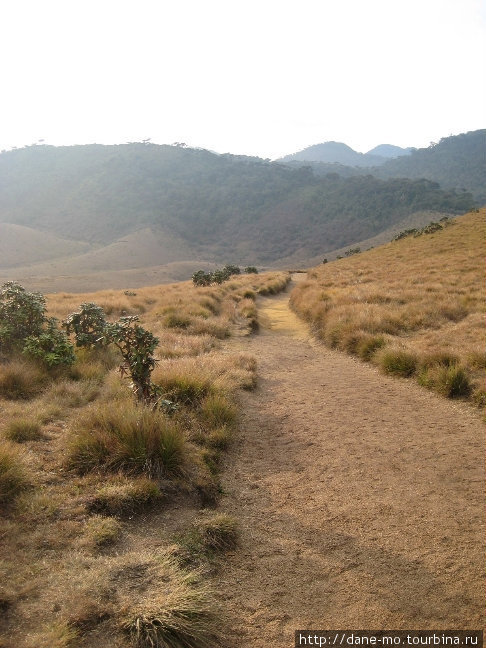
{"x":455,"y":162}
{"x":339,"y":153}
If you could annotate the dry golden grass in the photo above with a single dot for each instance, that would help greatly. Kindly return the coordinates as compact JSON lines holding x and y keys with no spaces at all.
{"x":72,"y":572}
{"x":421,"y":296}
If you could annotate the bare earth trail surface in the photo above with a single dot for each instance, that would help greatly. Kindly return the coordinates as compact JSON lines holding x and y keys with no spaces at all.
{"x":359,"y":497}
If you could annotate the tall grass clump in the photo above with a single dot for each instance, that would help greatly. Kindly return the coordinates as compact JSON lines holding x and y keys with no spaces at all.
{"x":178,"y":615}
{"x":23,"y":429}
{"x":450,"y":380}
{"x":398,"y":363}
{"x":13,"y":474}
{"x":126,"y":496}
{"x":218,"y":411}
{"x":21,"y":379}
{"x":218,"y":533}
{"x":124,"y":437}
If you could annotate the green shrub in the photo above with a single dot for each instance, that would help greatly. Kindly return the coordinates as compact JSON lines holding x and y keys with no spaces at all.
{"x":251,"y":270}
{"x":398,"y":363}
{"x":22,"y":314}
{"x":51,"y":346}
{"x":201,"y":278}
{"x":123,"y":437}
{"x":87,"y":325}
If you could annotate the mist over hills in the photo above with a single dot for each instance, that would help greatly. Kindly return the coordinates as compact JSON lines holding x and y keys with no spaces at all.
{"x":97,"y":208}
{"x":339,"y":153}
{"x":458,"y":161}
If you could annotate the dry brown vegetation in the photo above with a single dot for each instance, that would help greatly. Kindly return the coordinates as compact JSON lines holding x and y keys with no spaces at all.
{"x":87,"y":476}
{"x":414,"y":307}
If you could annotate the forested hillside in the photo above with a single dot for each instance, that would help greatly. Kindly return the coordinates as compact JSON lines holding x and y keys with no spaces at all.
{"x":458,"y":161}
{"x":223,"y":207}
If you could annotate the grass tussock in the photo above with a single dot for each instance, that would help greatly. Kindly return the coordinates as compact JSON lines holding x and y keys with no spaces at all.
{"x":179,"y":615}
{"x":451,"y":380}
{"x":101,"y":531}
{"x":414,"y":307}
{"x":126,"y":497}
{"x":21,"y":379}
{"x":24,"y":429}
{"x":14,"y":476}
{"x":218,"y":533}
{"x":123,"y":437}
{"x":218,"y":411}
{"x":398,"y":363}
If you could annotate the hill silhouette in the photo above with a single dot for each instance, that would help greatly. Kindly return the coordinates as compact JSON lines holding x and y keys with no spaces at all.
{"x":339,"y":153}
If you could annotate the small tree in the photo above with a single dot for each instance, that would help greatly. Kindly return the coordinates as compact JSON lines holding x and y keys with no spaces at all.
{"x":136,"y":345}
{"x":22,"y":314}
{"x":88,"y":325}
{"x":251,"y":270}
{"x":201,"y":278}
{"x":231,"y":270}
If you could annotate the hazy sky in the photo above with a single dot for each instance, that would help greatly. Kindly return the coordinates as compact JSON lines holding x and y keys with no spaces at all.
{"x":255,"y":77}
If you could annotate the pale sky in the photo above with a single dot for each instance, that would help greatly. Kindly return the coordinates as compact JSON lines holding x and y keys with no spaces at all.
{"x":254,"y":77}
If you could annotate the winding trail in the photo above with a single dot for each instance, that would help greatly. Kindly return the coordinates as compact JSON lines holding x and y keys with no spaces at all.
{"x":359,"y":497}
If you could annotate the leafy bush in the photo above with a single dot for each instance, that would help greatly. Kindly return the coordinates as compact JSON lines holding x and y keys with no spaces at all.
{"x":218,"y":276}
{"x":251,"y":270}
{"x":201,"y":278}
{"x":22,"y":314}
{"x":50,"y":346}
{"x":87,"y":325}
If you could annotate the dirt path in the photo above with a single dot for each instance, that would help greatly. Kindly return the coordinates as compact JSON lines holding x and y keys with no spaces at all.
{"x":359,"y":497}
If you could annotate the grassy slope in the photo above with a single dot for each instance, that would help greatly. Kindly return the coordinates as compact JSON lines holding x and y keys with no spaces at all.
{"x":423,"y":296}
{"x":84,"y":548}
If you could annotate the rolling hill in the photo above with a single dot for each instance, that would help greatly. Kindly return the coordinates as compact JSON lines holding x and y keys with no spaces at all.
{"x":134,"y":206}
{"x":339,"y":153}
